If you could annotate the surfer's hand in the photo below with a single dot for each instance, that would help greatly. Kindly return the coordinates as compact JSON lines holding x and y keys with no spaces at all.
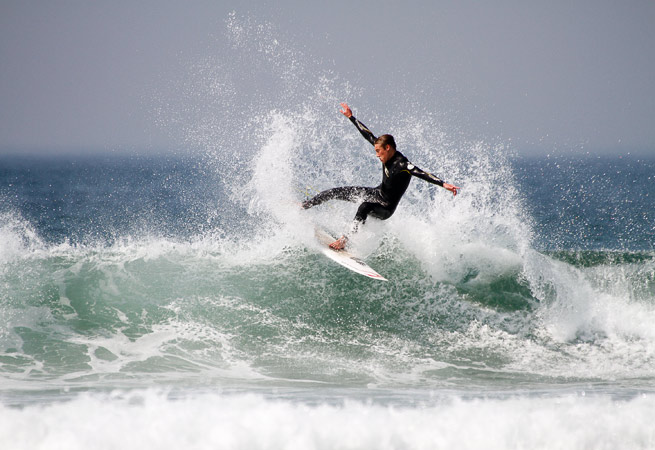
{"x":452,"y":188}
{"x":346,"y":110}
{"x":339,"y":244}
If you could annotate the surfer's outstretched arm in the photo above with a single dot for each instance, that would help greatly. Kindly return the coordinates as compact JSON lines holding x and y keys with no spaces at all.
{"x":360,"y":126}
{"x":423,"y":175}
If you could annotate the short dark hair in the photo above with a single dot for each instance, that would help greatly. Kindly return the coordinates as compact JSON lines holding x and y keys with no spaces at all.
{"x":386,"y":139}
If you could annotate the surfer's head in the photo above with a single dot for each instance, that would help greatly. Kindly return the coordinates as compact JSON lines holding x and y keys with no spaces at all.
{"x":386,"y":139}
{"x":385,"y":147}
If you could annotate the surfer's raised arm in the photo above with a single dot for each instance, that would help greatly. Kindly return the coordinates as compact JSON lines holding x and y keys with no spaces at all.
{"x":360,"y":126}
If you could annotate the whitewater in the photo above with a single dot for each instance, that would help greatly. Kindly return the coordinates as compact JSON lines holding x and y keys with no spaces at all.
{"x":181,"y":300}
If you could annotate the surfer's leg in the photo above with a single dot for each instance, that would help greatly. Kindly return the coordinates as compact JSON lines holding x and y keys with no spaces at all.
{"x":346,"y":193}
{"x":370,"y":209}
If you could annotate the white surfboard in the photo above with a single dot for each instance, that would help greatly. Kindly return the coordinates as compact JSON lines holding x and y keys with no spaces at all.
{"x":346,"y":259}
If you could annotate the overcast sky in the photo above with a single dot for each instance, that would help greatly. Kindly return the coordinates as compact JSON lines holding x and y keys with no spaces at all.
{"x":547,"y":75}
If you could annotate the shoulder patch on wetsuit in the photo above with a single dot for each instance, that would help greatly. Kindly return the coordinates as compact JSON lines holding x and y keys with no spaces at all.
{"x":410,"y":166}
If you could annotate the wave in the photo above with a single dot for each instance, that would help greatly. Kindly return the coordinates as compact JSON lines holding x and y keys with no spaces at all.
{"x":470,"y":302}
{"x":254,"y":313}
{"x":241,"y":294}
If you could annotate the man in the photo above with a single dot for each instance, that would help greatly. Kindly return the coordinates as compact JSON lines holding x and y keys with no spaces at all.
{"x":381,"y":201}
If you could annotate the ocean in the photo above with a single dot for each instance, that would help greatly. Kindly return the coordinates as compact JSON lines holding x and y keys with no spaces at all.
{"x":181,"y":302}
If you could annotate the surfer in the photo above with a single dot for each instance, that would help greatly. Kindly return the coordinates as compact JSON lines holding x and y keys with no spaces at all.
{"x":381,"y":201}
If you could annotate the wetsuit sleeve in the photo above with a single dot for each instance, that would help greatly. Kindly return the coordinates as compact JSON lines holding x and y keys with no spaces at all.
{"x":418,"y":173}
{"x":364,"y":130}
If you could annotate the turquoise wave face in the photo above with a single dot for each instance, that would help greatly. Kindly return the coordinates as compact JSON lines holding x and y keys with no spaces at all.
{"x":164,"y":312}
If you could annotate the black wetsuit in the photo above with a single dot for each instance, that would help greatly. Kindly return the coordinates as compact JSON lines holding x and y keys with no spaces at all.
{"x":381,"y":201}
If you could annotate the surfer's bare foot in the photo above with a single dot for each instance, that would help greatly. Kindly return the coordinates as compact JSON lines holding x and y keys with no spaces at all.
{"x":339,"y":244}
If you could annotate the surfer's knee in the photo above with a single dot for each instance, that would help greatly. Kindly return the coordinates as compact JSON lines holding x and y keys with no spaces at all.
{"x":374,"y":210}
{"x":382,"y":214}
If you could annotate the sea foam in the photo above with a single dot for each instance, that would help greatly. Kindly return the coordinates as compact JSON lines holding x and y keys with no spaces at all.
{"x":150,"y":419}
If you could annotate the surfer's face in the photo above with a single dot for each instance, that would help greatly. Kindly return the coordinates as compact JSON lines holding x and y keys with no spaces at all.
{"x":384,"y":152}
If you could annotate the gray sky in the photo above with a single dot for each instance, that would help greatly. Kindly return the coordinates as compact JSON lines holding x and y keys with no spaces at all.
{"x":547,"y":75}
